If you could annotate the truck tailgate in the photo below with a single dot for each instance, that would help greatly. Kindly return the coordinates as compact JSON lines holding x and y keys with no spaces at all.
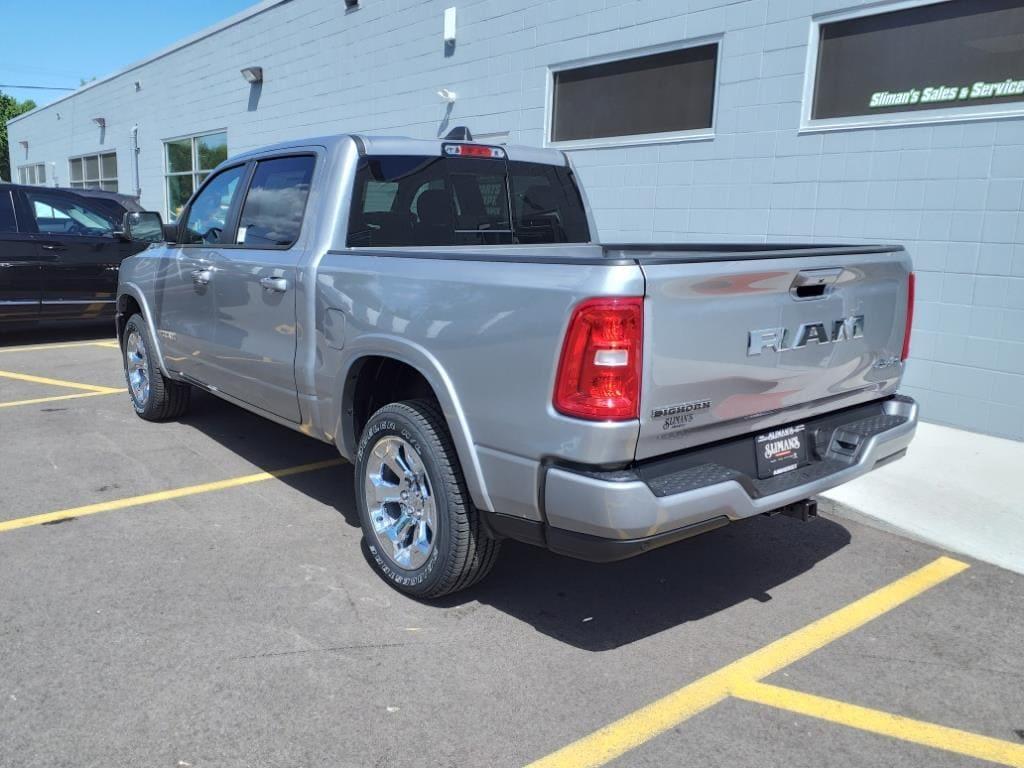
{"x":739,"y":345}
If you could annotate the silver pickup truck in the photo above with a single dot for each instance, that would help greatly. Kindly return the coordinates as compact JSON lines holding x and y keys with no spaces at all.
{"x":440,"y":312}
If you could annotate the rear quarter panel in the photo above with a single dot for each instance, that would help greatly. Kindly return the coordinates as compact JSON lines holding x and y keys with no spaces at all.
{"x":490,"y":335}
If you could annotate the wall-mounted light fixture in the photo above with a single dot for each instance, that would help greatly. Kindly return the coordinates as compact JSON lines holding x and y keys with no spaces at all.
{"x":24,"y":145}
{"x":448,"y":97}
{"x":350,"y":4}
{"x":138,"y":85}
{"x":449,"y":25}
{"x":253,"y":75}
{"x":100,"y":121}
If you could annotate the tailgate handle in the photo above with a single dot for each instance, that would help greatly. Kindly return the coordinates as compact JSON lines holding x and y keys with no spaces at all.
{"x":814,"y":283}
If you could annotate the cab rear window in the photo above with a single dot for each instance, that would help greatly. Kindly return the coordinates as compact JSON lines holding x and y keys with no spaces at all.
{"x":414,"y":200}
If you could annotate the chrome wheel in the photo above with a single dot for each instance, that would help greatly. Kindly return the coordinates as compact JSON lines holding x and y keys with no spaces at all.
{"x":400,"y":503}
{"x":137,"y":368}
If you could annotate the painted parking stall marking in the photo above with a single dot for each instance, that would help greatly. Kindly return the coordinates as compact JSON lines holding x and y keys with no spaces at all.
{"x":82,"y":390}
{"x":110,"y":344}
{"x":883,"y":723}
{"x":741,"y":679}
{"x":174,"y":493}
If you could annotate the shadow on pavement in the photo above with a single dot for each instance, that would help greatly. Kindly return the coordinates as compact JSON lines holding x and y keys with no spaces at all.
{"x":625,"y":601}
{"x":634,"y":599}
{"x":58,"y":335}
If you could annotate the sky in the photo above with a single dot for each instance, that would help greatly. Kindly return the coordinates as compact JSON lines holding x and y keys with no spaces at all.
{"x":61,"y":42}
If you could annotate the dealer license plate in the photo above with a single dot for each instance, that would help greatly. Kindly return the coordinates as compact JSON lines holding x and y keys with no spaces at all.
{"x":781,"y":450}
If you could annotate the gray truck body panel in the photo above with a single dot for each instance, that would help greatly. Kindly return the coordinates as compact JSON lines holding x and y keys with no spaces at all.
{"x":484,"y":325}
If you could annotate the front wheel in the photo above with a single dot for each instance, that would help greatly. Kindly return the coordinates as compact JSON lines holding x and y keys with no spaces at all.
{"x":154,"y":397}
{"x":422,"y":531}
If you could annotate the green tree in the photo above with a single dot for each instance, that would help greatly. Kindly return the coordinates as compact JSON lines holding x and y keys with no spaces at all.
{"x":10,"y":108}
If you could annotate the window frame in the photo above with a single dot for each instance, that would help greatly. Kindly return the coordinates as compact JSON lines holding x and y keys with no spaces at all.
{"x":32,"y":168}
{"x":100,"y":179}
{"x":254,"y":162}
{"x":808,"y":124}
{"x":697,"y":134}
{"x":195,"y":171}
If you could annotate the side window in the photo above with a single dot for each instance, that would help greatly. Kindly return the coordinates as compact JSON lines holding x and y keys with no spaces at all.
{"x":8,"y":222}
{"x":209,"y":211}
{"x":276,"y":202}
{"x":58,"y":215}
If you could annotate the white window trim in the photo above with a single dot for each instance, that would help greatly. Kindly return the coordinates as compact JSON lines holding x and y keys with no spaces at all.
{"x":195,"y":159}
{"x":99,"y":167}
{"x":919,"y":117}
{"x":35,"y":166}
{"x":698,"y":134}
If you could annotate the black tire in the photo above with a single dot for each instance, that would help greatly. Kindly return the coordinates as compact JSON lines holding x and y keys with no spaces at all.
{"x":166,"y":399}
{"x":462,"y":552}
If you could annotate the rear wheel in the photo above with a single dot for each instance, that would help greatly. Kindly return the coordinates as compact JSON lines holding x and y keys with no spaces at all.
{"x":154,"y":397}
{"x":422,"y":531}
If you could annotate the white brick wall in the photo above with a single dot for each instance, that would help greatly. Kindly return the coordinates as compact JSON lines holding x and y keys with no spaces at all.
{"x":952,"y":192}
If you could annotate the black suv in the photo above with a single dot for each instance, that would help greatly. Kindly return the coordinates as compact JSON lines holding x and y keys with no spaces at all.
{"x":60,"y":251}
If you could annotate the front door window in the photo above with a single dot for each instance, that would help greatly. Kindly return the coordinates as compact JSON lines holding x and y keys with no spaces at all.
{"x":208,"y":215}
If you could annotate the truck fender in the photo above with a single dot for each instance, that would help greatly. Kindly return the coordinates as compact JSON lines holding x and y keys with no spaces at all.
{"x":417,"y":357}
{"x":131,"y":289}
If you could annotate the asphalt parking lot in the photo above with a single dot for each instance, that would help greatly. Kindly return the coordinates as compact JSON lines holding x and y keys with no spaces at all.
{"x":195,"y":594}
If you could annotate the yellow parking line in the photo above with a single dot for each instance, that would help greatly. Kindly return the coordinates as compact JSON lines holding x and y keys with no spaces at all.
{"x":174,"y":493}
{"x":644,"y":724}
{"x":57,"y":382}
{"x":64,"y":345}
{"x":884,"y":724}
{"x":38,"y":400}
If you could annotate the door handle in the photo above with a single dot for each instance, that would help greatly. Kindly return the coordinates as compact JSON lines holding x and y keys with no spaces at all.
{"x":202,"y":276}
{"x":274,"y":284}
{"x":814,"y":283}
{"x":54,"y":247}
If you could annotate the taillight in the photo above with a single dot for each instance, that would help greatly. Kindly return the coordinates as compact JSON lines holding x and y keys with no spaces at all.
{"x":910,"y":318}
{"x":599,"y":372}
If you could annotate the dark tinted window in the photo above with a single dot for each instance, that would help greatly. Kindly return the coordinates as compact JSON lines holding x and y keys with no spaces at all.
{"x":660,"y":93}
{"x":274,"y":206}
{"x":547,"y":205}
{"x":952,"y":54}
{"x":208,"y":214}
{"x":463,"y":201}
{"x":8,"y":223}
{"x":57,"y":214}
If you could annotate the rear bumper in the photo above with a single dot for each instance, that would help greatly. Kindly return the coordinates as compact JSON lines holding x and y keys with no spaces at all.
{"x":604,"y":516}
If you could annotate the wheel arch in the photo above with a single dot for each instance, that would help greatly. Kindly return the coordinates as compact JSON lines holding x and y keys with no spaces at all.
{"x":130,"y":300}
{"x":377,"y":376}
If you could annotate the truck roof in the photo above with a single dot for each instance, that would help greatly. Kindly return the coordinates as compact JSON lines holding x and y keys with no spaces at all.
{"x":404,"y":145}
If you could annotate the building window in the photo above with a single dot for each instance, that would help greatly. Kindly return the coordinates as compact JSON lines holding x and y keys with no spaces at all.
{"x":34,"y":174}
{"x":659,"y":96}
{"x":189,"y":160}
{"x":94,"y":172}
{"x":964,"y":57}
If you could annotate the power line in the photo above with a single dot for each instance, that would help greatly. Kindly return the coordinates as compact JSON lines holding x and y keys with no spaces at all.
{"x":37,"y":87}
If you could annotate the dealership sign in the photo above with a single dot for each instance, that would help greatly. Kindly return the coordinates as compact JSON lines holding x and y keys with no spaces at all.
{"x":946,"y":93}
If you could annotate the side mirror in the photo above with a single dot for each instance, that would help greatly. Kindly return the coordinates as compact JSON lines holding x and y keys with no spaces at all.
{"x":171,"y":233}
{"x":142,"y":226}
